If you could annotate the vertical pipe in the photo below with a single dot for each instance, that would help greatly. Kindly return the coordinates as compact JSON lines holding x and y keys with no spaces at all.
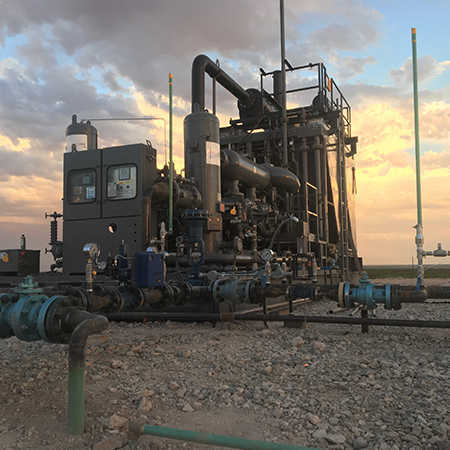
{"x":77,"y":355}
{"x":283,"y":82}
{"x":416,"y":127}
{"x":170,"y":155}
{"x":419,"y":235}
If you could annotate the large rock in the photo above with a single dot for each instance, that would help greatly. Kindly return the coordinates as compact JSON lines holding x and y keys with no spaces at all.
{"x":298,"y":342}
{"x":360,"y":443}
{"x":117,"y":422}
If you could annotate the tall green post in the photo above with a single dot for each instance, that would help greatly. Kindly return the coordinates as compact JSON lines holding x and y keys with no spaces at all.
{"x":419,"y":234}
{"x":170,"y":155}
{"x":416,"y":127}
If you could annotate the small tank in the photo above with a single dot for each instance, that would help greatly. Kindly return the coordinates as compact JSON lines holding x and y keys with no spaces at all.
{"x":80,"y":136}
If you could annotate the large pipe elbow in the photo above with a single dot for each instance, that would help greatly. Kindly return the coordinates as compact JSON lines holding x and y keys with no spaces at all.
{"x":204,"y":64}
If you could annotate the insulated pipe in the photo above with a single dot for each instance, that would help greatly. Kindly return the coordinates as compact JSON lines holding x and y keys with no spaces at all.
{"x":204,"y":64}
{"x":137,"y":429}
{"x":90,"y":324}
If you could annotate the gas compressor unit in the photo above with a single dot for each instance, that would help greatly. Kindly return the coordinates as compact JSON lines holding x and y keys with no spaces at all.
{"x":254,"y":216}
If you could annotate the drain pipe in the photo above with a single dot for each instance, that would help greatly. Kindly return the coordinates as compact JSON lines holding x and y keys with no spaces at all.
{"x":87,"y":324}
{"x":137,"y":429}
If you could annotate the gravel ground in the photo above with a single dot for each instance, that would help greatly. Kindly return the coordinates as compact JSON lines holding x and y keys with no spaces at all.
{"x":323,"y":386}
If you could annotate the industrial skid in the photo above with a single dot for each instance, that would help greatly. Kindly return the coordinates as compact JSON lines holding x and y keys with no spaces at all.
{"x":249,"y":218}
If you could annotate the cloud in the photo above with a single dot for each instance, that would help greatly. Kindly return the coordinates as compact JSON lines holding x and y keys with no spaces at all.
{"x":347,"y":66}
{"x":427,"y":68}
{"x":11,"y":68}
{"x":354,"y":37}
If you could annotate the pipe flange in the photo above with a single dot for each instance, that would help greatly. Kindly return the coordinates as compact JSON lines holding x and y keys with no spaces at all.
{"x":167,"y":297}
{"x":42,"y":316}
{"x":116,"y":301}
{"x":24,"y":317}
{"x":185,"y":292}
{"x":53,"y":321}
{"x":388,"y":303}
{"x":248,"y":292}
{"x":347,"y":293}
{"x":341,"y":295}
{"x":7,"y":302}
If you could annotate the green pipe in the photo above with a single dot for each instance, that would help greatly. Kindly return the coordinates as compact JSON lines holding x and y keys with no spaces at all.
{"x":137,"y":429}
{"x":416,"y":127}
{"x":75,"y":401}
{"x":170,"y":155}
{"x":87,"y":324}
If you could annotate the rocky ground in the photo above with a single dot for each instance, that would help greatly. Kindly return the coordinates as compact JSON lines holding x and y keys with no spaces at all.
{"x":322,"y":386}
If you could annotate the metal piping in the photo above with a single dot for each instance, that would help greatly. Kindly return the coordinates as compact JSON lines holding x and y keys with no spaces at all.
{"x":283,"y":82}
{"x":137,"y":429}
{"x":418,"y":227}
{"x":170,"y":156}
{"x":230,"y":317}
{"x":90,"y":324}
{"x":204,"y":64}
{"x":272,"y":242}
{"x":227,"y":259}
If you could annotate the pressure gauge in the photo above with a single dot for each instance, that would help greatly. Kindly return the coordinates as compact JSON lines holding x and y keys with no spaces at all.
{"x":267,"y":254}
{"x":102,"y":265}
{"x":91,"y":250}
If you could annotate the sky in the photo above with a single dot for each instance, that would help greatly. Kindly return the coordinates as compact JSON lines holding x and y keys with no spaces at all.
{"x":112,"y":59}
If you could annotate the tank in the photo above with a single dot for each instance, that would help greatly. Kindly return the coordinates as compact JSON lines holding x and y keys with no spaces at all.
{"x":202,"y":163}
{"x":236,"y":167}
{"x":80,"y":136}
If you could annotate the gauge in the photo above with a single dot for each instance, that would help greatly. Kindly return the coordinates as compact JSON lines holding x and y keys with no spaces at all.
{"x":91,"y":250}
{"x":267,"y":254}
{"x":102,"y":265}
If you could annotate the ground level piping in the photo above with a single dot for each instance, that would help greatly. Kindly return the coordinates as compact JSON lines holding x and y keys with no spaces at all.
{"x":137,"y":429}
{"x":230,"y":317}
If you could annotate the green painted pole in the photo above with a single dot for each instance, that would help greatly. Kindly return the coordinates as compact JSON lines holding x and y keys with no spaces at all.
{"x":170,"y":155}
{"x":75,"y":401}
{"x":416,"y":127}
{"x":215,"y":439}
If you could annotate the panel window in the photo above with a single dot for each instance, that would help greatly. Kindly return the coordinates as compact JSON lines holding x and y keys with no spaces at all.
{"x":122,"y":182}
{"x":81,"y":186}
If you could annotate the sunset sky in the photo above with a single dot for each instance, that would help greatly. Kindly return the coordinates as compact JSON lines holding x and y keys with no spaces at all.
{"x":101,"y":59}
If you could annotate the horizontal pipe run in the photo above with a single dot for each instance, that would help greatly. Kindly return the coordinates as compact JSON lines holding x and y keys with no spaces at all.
{"x":229,"y":317}
{"x":238,"y":260}
{"x":137,"y":429}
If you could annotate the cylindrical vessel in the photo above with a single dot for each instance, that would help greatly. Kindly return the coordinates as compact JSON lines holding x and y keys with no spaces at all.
{"x":282,"y":178}
{"x":239,"y":168}
{"x":202,"y":163}
{"x":278,"y":86}
{"x":80,"y":136}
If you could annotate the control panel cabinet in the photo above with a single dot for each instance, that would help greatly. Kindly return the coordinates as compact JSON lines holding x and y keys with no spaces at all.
{"x":103,"y":201}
